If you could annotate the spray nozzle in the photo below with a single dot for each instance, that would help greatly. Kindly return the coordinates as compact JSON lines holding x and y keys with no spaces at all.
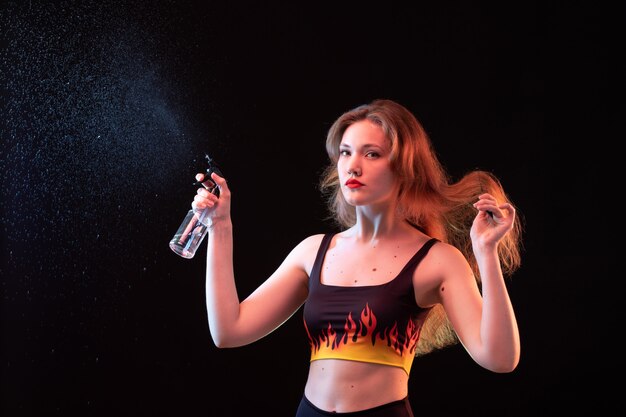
{"x":211,"y":168}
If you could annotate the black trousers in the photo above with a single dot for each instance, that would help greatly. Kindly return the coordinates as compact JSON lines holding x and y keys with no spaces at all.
{"x":400,"y":408}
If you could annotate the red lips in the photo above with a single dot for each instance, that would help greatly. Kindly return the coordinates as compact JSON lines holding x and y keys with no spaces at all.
{"x":352,"y":183}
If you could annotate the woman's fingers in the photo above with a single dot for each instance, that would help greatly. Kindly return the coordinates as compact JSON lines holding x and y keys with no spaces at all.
{"x":221,"y":183}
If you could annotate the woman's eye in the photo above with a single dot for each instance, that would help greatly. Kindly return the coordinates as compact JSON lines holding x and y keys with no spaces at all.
{"x":344,"y":152}
{"x":372,"y":154}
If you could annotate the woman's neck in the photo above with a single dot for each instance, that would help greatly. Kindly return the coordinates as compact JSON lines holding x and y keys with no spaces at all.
{"x":373,"y":226}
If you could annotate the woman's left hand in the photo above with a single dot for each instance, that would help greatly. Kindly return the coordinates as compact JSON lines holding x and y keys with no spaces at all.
{"x":492,"y":222}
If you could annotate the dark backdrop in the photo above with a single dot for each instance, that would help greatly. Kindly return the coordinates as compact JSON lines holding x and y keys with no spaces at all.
{"x":108,"y":108}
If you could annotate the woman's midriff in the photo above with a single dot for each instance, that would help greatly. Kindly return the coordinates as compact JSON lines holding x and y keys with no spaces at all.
{"x":344,"y":386}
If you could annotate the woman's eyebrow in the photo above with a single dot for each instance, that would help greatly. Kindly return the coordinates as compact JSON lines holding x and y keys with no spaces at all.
{"x":365,"y":146}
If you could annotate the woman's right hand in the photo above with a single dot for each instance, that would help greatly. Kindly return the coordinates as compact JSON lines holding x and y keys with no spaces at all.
{"x":219,"y":207}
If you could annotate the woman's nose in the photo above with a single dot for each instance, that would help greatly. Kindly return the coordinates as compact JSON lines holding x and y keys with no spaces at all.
{"x":353,"y":169}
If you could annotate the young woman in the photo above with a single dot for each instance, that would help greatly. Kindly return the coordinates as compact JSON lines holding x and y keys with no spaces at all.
{"x":419,"y":265}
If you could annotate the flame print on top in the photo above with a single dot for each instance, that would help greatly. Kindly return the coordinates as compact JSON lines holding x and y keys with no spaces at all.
{"x":377,"y":324}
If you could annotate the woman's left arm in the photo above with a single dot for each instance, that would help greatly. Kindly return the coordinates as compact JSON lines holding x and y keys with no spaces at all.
{"x":486,"y":325}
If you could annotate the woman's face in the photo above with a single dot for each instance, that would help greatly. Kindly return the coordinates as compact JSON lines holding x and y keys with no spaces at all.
{"x":363,"y":166}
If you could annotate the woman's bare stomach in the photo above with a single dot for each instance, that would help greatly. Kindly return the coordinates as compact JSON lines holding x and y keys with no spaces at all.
{"x":344,"y":386}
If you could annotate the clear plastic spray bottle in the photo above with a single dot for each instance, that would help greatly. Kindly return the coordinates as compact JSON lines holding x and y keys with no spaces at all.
{"x":193,"y":229}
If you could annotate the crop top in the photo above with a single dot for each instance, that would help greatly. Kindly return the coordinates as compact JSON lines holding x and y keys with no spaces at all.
{"x":376,"y":323}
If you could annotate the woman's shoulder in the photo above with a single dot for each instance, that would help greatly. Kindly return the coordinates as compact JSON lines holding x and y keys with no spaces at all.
{"x":312,"y":241}
{"x":309,"y":244}
{"x":444,"y":259}
{"x":305,"y":252}
{"x":444,"y":250}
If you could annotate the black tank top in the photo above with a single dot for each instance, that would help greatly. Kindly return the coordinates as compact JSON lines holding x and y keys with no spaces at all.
{"x":376,"y":323}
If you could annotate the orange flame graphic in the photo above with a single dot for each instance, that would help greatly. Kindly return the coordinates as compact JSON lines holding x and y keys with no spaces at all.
{"x":354,"y":331}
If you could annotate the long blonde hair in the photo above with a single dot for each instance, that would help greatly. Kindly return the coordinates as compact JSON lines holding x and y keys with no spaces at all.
{"x":427,"y":197}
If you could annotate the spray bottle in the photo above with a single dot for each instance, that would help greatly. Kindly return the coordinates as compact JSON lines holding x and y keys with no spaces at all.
{"x":193,"y":229}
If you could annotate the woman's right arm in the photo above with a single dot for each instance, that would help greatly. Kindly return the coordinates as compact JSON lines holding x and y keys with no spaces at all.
{"x":231,"y":322}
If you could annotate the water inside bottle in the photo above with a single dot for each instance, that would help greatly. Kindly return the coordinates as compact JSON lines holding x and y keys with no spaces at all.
{"x":190,"y":234}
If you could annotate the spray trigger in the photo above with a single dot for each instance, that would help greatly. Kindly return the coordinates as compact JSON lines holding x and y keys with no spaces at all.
{"x":211,"y":168}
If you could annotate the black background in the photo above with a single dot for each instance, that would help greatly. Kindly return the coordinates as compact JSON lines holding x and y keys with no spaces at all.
{"x":109,"y":107}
